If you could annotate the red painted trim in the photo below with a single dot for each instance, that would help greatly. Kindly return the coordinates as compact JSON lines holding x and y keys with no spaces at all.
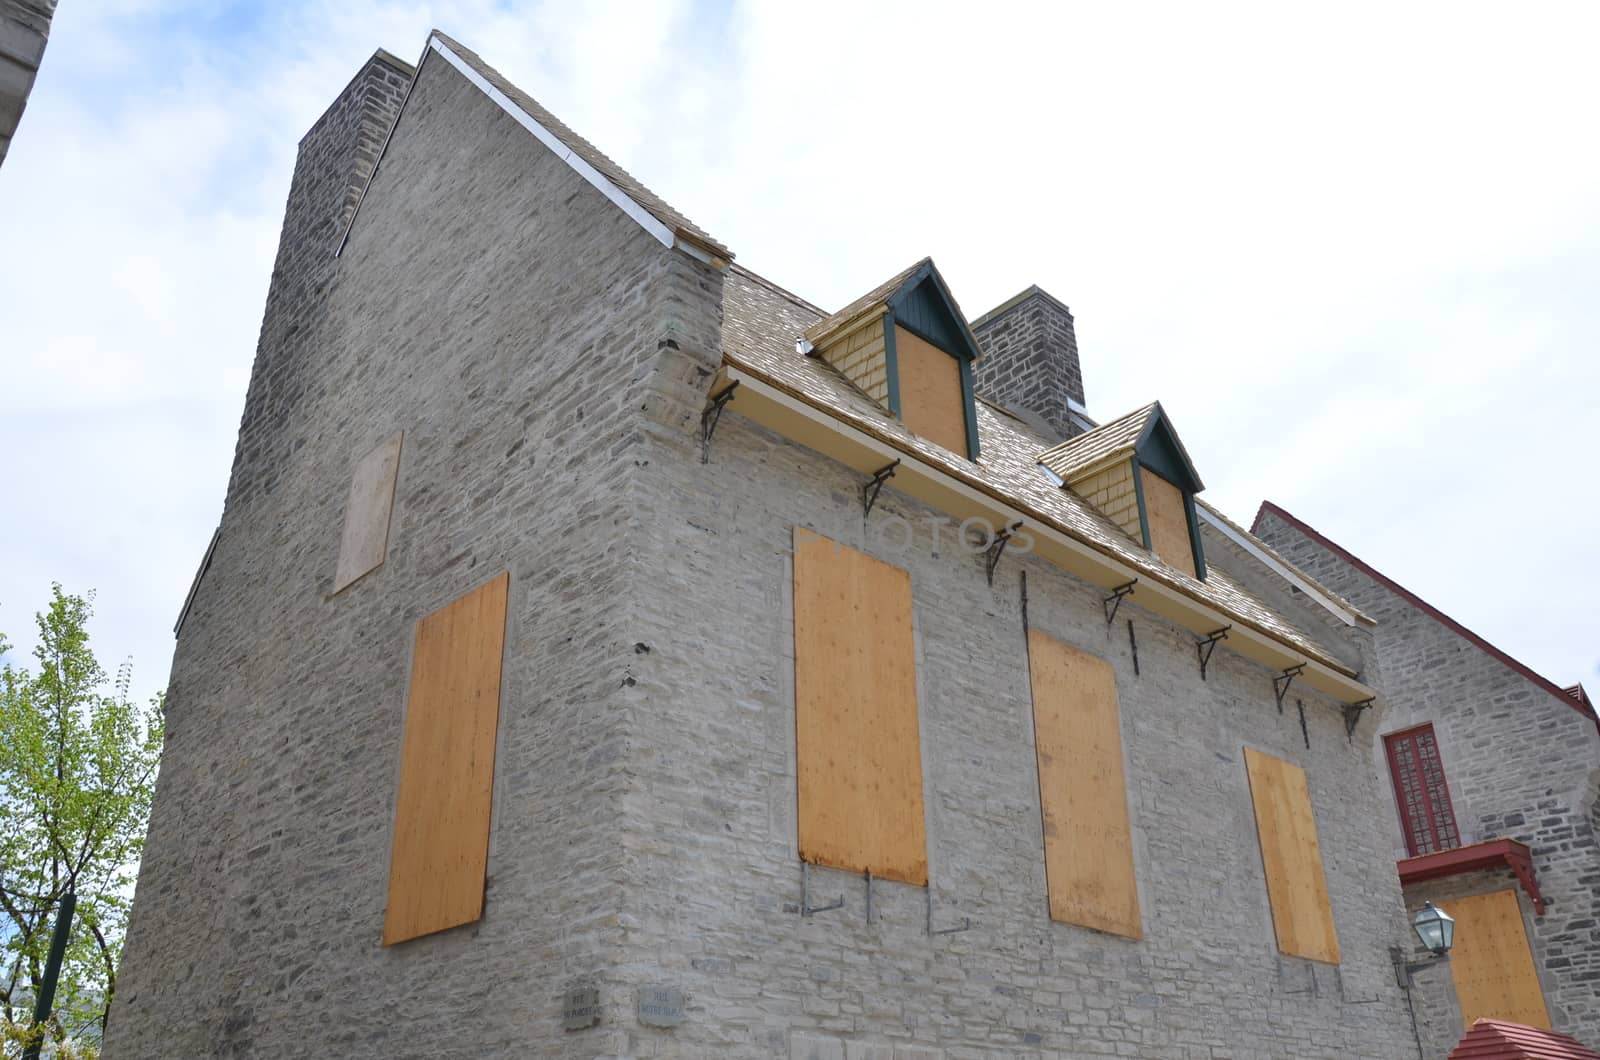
{"x":1493,"y":854}
{"x":1422,"y":605}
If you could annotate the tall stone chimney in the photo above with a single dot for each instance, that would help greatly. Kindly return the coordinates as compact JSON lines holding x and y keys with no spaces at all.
{"x":1030,"y":361}
{"x":335,"y":159}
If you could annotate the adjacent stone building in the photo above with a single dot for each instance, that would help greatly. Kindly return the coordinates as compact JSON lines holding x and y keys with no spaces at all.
{"x":24,"y":31}
{"x":1489,"y":773}
{"x":606,"y":652}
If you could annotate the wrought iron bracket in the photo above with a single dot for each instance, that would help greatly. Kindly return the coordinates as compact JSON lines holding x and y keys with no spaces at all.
{"x":1352,"y":715}
{"x":870,"y":490}
{"x":710,"y":417}
{"x":1281,"y":683}
{"x":991,"y":558}
{"x":1110,"y":604}
{"x":1405,"y":971}
{"x":806,"y":908}
{"x":966,"y":921}
{"x":1208,"y":644}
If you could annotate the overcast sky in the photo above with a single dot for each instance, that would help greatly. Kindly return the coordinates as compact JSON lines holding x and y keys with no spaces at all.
{"x":1353,"y":249}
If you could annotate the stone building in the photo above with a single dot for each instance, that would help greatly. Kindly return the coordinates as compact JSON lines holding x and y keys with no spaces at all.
{"x":24,"y":31}
{"x":1489,"y":773}
{"x":607,"y":653}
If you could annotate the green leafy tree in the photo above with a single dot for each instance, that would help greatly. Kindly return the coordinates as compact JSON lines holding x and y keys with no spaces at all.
{"x":78,"y":761}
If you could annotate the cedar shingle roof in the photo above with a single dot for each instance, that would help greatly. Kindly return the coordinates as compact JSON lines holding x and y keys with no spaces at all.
{"x":649,"y":200}
{"x":1077,"y":455}
{"x":1498,"y":1040}
{"x":760,"y":322}
{"x":872,"y":299}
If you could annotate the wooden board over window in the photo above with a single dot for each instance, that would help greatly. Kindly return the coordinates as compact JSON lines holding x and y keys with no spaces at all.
{"x":1168,"y":519}
{"x":858,"y":748}
{"x":441,"y":829}
{"x":1088,"y":847}
{"x":931,"y":401}
{"x":1491,"y":963}
{"x":366,"y":513}
{"x":1292,"y":857}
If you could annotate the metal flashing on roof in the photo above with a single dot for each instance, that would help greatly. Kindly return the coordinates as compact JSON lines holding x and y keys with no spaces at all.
{"x":662,"y":223}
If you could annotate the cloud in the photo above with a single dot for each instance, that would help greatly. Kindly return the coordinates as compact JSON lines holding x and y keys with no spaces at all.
{"x":1352,"y":255}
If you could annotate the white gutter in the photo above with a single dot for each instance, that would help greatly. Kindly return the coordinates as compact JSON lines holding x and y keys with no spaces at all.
{"x":773,"y":408}
{"x":1281,"y":569}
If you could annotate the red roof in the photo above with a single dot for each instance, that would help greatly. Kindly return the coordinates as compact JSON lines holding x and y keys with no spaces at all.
{"x":1499,"y":1040}
{"x":1565,"y":695}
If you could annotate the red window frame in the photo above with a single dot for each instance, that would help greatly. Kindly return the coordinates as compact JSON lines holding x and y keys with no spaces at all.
{"x":1421,"y":792}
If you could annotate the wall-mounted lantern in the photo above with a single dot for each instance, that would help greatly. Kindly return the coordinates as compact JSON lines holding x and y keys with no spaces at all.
{"x":1437,"y":930}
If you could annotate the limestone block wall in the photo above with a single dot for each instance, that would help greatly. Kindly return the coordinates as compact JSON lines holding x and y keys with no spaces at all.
{"x":713,"y":877}
{"x":1520,"y":763}
{"x":513,"y":323}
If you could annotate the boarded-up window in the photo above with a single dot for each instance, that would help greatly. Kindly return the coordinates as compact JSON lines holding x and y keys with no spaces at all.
{"x":1167,"y":515}
{"x":1491,"y":963}
{"x":857,"y":746}
{"x":1088,"y":848}
{"x":366,"y":513}
{"x":1420,"y":791}
{"x":932,"y":403}
{"x":441,"y":829}
{"x":1292,"y":858}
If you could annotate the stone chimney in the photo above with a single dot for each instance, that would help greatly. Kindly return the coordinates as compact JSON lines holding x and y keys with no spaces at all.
{"x":1030,"y":361}
{"x":335,"y":159}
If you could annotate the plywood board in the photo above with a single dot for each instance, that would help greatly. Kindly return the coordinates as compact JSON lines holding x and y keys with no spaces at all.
{"x":1168,"y":519}
{"x":441,"y":829}
{"x":1088,"y":845}
{"x":931,"y":403}
{"x":1491,"y":962}
{"x":1301,"y":914}
{"x":366,"y":513}
{"x":858,"y":748}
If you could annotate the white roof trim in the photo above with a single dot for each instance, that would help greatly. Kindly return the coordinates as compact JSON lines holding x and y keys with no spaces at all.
{"x":194,"y":586}
{"x":642,"y":217}
{"x":1278,"y":567}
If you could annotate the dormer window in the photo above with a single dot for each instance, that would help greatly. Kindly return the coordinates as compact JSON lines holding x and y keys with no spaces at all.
{"x":906,"y":346}
{"x":1135,"y":471}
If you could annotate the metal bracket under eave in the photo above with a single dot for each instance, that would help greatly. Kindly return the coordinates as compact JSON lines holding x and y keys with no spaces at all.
{"x":710,"y":417}
{"x":966,"y":921}
{"x":1208,"y":644}
{"x":870,"y":490}
{"x":1110,"y":604}
{"x":1352,"y":715}
{"x":1281,"y":683}
{"x":991,"y":558}
{"x":806,"y":908}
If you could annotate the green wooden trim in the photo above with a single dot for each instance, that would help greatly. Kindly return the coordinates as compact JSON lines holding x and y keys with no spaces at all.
{"x":1161,"y":450}
{"x":971,"y":404}
{"x":1138,"y":492}
{"x":941,"y":301}
{"x":1194,"y":537}
{"x":891,"y":364}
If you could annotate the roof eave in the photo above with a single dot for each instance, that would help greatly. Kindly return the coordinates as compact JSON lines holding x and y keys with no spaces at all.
{"x":792,"y":415}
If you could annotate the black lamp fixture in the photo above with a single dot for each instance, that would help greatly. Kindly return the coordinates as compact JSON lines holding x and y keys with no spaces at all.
{"x":1437,"y":930}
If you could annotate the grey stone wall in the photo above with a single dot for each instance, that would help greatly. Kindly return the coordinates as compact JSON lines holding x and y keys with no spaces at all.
{"x":24,"y":32}
{"x":1030,"y":359}
{"x":714,"y":881}
{"x":1520,"y":763}
{"x":512,"y":322}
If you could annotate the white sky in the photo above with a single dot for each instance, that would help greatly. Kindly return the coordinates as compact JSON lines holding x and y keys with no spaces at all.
{"x":1353,"y":249}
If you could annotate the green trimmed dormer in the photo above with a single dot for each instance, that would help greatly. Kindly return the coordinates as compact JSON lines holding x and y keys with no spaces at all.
{"x":906,"y":346}
{"x":1135,"y":471}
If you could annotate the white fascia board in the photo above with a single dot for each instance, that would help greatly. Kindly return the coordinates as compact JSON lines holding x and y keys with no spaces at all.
{"x":199,"y":575}
{"x":1283,"y":571}
{"x":642,"y":217}
{"x":808,"y":425}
